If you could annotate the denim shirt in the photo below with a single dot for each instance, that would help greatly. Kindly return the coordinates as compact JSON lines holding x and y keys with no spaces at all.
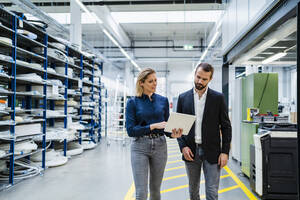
{"x":141,"y":112}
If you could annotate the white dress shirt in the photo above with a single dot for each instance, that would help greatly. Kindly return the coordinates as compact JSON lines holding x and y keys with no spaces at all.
{"x":199,"y":103}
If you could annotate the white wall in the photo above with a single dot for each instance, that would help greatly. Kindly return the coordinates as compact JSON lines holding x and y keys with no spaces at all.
{"x":287,"y":83}
{"x":239,"y":15}
{"x":294,"y":89}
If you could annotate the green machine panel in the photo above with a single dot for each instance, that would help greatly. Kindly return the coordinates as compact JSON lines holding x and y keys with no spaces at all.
{"x":248,"y":130}
{"x":260,"y":91}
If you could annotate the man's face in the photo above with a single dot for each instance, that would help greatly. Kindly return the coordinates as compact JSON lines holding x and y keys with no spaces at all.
{"x":201,"y":79}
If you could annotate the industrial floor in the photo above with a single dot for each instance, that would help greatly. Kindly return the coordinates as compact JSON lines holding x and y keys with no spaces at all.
{"x":105,"y":174}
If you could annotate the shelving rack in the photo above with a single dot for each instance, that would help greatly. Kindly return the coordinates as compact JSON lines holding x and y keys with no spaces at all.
{"x":24,"y":55}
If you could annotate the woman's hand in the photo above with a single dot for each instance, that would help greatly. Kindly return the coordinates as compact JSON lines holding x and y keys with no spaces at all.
{"x":160,"y":125}
{"x":176,"y":133}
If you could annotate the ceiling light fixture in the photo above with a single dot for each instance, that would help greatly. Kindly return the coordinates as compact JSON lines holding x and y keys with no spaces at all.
{"x":277,"y":47}
{"x":277,"y":56}
{"x":212,"y":41}
{"x":111,"y":37}
{"x":84,"y":8}
{"x":266,"y":53}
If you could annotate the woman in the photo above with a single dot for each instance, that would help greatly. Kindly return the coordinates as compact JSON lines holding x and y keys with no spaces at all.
{"x":146,"y":116}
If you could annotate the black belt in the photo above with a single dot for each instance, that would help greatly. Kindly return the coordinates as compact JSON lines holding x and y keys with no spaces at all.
{"x":153,"y":135}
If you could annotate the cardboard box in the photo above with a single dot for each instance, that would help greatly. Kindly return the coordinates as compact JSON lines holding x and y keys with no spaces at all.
{"x":293,"y":117}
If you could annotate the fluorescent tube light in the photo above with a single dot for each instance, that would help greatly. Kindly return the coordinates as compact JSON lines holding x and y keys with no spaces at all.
{"x":275,"y":57}
{"x":212,"y":41}
{"x":125,"y":53}
{"x":204,"y":54}
{"x":136,"y":65}
{"x":111,"y":37}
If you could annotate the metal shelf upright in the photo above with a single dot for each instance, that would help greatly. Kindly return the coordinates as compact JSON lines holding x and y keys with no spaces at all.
{"x":92,"y":112}
{"x":12,"y":102}
{"x":80,"y":88}
{"x":45,"y":104}
{"x":66,"y":101}
{"x":100,"y":104}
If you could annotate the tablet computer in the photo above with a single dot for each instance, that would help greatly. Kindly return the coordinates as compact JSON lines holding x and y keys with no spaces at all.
{"x":179,"y":120}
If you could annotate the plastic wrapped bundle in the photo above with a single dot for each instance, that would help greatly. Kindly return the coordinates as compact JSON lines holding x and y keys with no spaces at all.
{"x":58,"y":45}
{"x":3,"y":166}
{"x":2,"y":153}
{"x":27,"y":34}
{"x":53,"y":158}
{"x":88,"y":145}
{"x":73,"y":148}
{"x":5,"y":40}
{"x":21,"y":148}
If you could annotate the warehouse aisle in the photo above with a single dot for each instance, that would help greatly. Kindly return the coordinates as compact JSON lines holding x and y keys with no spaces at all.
{"x":105,"y":173}
{"x":174,"y":186}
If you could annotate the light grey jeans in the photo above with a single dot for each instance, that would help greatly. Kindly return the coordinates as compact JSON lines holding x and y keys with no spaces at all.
{"x":211,"y":174}
{"x":148,"y":155}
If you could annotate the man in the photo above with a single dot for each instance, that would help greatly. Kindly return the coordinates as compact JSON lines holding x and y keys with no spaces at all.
{"x":203,"y":144}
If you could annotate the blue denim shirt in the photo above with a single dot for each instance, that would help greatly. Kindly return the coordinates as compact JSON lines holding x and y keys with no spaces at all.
{"x":141,"y":112}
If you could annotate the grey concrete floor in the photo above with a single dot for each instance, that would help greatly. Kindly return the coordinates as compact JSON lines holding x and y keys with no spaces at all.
{"x":105,"y":174}
{"x":100,"y":174}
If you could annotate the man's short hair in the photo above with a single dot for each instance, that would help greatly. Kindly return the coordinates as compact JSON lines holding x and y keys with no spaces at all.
{"x":206,"y":67}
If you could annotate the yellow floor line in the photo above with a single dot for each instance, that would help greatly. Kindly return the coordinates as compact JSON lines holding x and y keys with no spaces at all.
{"x":174,"y":177}
{"x":175,"y":155}
{"x":174,"y":188}
{"x":173,"y":148}
{"x":174,"y":161}
{"x":241,"y":185}
{"x":129,"y":195}
{"x":186,"y":186}
{"x":172,"y":145}
{"x":173,"y":168}
{"x":223,"y":190}
{"x":175,"y":151}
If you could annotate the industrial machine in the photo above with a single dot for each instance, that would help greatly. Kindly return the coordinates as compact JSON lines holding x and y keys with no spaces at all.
{"x":273,"y":161}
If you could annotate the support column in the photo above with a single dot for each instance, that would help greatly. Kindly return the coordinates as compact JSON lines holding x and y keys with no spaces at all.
{"x":75,"y":26}
{"x":225,"y":79}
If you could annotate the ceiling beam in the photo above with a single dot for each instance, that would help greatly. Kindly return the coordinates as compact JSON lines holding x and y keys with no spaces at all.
{"x":117,"y":3}
{"x":109,"y":23}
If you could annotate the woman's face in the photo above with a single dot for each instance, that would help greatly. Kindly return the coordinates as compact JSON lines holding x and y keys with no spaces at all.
{"x":150,"y":84}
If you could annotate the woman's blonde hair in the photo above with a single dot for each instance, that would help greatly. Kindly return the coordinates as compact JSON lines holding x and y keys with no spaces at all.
{"x":143,"y":75}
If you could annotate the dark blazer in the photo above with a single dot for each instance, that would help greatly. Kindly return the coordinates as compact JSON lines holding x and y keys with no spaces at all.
{"x":215,"y":124}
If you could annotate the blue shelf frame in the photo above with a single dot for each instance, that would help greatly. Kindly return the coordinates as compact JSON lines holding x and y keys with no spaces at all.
{"x":13,"y":99}
{"x":45,"y":104}
{"x":100,"y":104}
{"x":106,"y":95}
{"x":92,"y":132}
{"x":81,"y":93}
{"x":27,"y":103}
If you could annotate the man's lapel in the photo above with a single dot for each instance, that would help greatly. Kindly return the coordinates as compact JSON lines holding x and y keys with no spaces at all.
{"x":191,"y":97}
{"x":207,"y":104}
